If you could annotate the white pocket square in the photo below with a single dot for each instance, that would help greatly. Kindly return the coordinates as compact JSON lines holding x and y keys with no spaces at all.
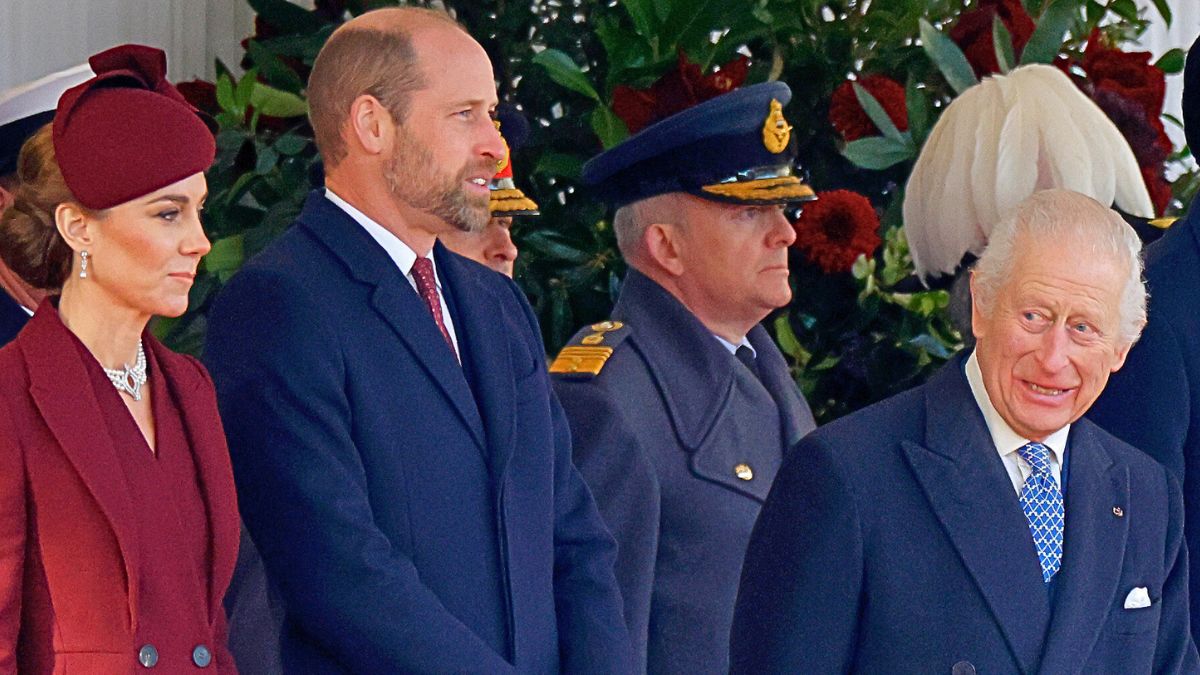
{"x":1137,"y":598}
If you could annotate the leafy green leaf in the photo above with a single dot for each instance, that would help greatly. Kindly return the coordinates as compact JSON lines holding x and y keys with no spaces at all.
{"x":1172,"y":62}
{"x":225,"y":97}
{"x":245,"y":86}
{"x":291,"y":144}
{"x":645,"y":20}
{"x":877,"y":114}
{"x":560,"y":164}
{"x":918,"y":112}
{"x":878,"y":152}
{"x":1047,"y":38}
{"x":608,"y":127}
{"x":1002,"y":41}
{"x":226,"y":255}
{"x":947,"y":57}
{"x":563,"y":70}
{"x":1164,"y":10}
{"x":273,"y":70}
{"x":1126,"y":9}
{"x":277,"y":103}
{"x":285,"y":16}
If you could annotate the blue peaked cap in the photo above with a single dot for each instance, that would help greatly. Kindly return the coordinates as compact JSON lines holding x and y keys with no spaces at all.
{"x":736,"y":147}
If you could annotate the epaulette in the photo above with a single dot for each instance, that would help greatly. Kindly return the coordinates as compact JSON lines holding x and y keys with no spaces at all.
{"x":587,"y":352}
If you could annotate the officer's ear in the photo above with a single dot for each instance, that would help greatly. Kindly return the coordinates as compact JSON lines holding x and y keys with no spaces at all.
{"x":662,"y":242}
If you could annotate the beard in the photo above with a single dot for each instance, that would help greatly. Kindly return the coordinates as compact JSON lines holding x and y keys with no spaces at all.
{"x":412,"y":178}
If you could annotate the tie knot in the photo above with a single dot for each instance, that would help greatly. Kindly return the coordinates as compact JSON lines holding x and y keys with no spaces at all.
{"x":1037,"y":455}
{"x":423,"y":267}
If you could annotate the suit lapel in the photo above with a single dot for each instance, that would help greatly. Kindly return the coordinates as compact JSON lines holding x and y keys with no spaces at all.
{"x":972,"y":496}
{"x":201,"y":423}
{"x":61,"y":390}
{"x":796,"y":417}
{"x":484,"y":340}
{"x":395,"y":301}
{"x":1093,"y":550}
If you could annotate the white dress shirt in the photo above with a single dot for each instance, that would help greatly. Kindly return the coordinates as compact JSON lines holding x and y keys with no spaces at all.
{"x":400,"y":253}
{"x":1007,"y":441}
{"x":733,"y":348}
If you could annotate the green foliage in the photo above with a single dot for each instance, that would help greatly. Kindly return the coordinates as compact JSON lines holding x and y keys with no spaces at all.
{"x":851,"y":338}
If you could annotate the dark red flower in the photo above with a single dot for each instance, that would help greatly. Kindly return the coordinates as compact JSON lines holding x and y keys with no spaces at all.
{"x":1146,"y":134}
{"x":846,"y":114}
{"x":1159,"y":188}
{"x":973,"y":32}
{"x":201,"y":94}
{"x":677,"y":90}
{"x":837,"y":228}
{"x":1130,"y":74}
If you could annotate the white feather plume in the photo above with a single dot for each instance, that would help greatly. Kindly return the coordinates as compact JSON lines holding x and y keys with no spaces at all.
{"x":999,"y":142}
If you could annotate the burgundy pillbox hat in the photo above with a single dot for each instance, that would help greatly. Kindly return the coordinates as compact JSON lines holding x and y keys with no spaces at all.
{"x":127,"y":131}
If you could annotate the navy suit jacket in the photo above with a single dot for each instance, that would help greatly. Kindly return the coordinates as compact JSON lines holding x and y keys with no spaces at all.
{"x":1153,"y":402}
{"x":893,"y":542}
{"x":660,"y":435}
{"x":415,"y":514}
{"x":12,"y":318}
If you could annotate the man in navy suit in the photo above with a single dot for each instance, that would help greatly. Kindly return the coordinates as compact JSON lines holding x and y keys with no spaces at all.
{"x":681,"y":407}
{"x":1154,"y":402}
{"x":23,"y":110}
{"x":402,"y":464}
{"x":977,"y":523}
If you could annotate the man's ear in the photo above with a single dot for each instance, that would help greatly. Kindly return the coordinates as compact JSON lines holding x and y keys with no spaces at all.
{"x":74,"y":225}
{"x":976,"y":317}
{"x":370,"y":125}
{"x":663,"y":242}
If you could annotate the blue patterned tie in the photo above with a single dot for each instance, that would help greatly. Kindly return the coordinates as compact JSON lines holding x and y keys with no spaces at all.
{"x":1042,"y":502}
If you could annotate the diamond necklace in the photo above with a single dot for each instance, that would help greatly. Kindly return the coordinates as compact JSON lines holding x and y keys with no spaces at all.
{"x":130,"y":380}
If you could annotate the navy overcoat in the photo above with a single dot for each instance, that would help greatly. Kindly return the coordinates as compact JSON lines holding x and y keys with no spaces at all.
{"x":679,"y":442}
{"x":415,"y":515}
{"x":1153,"y":402}
{"x":893,"y":542}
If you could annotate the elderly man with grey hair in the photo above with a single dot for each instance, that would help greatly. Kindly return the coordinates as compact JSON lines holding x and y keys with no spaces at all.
{"x":977,"y":523}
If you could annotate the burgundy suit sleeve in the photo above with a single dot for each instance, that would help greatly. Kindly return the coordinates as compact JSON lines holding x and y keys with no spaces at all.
{"x":12,"y":542}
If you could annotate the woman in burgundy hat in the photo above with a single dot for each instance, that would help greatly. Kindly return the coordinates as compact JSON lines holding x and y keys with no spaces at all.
{"x":118,"y":518}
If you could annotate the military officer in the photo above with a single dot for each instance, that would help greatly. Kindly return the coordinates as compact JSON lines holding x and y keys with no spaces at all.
{"x":493,"y":245}
{"x":23,"y":110}
{"x":681,"y":406}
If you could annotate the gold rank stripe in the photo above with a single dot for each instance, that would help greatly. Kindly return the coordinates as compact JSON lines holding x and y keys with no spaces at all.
{"x":773,"y":188}
{"x":581,"y":360}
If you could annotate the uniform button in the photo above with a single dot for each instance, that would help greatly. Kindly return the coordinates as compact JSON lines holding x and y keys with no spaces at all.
{"x":963,"y":668}
{"x":201,"y":656}
{"x":148,"y":656}
{"x":744,"y":472}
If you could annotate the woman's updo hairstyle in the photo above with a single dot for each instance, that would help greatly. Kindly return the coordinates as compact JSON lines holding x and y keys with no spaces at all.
{"x":29,"y":240}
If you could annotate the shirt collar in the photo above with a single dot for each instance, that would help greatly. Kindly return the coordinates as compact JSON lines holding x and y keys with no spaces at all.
{"x":733,"y":348}
{"x":1004,"y":438}
{"x":397,"y":250}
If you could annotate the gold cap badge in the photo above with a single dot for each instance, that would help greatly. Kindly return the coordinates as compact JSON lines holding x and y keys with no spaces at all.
{"x":776,"y":130}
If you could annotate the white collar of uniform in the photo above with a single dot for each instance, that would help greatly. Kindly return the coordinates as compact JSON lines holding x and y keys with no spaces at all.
{"x":397,"y":250}
{"x":733,"y":348}
{"x":1004,"y":438}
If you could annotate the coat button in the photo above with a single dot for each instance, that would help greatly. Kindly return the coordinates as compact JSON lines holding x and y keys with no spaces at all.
{"x":744,"y":472}
{"x":201,"y":656}
{"x":963,"y":668}
{"x":148,"y":656}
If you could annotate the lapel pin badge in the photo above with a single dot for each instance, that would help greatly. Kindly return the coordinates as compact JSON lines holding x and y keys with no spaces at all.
{"x":1118,"y":512}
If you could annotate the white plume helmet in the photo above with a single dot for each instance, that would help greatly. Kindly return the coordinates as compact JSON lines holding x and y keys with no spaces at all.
{"x":999,"y":142}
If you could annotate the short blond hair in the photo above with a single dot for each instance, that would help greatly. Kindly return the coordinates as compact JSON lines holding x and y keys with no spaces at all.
{"x":358,"y":60}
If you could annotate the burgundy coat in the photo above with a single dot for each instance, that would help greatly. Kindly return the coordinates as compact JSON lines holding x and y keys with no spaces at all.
{"x":68,"y":547}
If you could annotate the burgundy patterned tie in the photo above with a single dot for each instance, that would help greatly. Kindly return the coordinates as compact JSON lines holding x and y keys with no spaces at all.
{"x":422,"y":271}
